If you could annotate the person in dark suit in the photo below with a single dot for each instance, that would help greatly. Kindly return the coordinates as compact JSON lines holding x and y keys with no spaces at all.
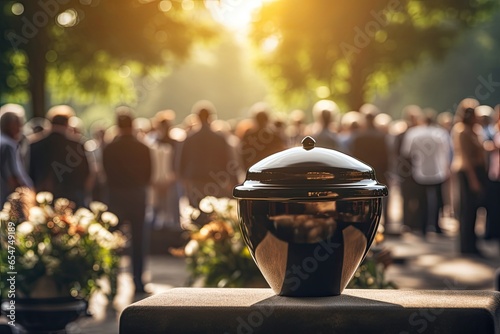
{"x":325,"y":113}
{"x":370,"y":146}
{"x":127,"y":163}
{"x":261,"y":139}
{"x":206,"y":167}
{"x":58,"y":162}
{"x":469,"y":164}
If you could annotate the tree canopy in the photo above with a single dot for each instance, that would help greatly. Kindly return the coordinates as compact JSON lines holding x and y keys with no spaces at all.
{"x":84,"y":46}
{"x":470,"y":69}
{"x":350,"y":50}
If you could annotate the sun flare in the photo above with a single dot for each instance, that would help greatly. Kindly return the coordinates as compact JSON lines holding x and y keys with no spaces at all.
{"x":234,"y":14}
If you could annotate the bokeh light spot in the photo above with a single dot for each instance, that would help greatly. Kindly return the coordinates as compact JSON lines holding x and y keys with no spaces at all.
{"x":67,"y":18}
{"x":270,"y":44}
{"x":11,"y":81}
{"x":322,"y":92}
{"x":165,"y":5}
{"x":51,"y":56}
{"x":381,"y":36}
{"x":124,"y":71}
{"x":161,"y":36}
{"x":90,"y":145}
{"x":17,"y":8}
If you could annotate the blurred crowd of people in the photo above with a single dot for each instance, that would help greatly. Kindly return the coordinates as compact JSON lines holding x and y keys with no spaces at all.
{"x":441,"y":164}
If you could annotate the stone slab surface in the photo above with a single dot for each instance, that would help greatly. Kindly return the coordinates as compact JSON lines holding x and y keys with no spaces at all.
{"x":213,"y":310}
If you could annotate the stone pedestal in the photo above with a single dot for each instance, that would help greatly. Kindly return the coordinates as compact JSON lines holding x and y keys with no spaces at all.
{"x":211,"y":310}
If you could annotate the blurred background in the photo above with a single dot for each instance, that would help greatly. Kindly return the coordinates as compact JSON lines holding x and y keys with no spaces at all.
{"x":384,"y":63}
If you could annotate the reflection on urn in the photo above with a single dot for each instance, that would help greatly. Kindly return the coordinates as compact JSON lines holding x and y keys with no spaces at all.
{"x":309,"y":234}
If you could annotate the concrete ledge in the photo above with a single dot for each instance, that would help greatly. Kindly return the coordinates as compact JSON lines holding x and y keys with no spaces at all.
{"x":205,"y":310}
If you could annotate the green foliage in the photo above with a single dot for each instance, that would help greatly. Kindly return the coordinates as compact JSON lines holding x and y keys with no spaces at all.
{"x":86,"y":45}
{"x":356,"y":48}
{"x":469,"y":69}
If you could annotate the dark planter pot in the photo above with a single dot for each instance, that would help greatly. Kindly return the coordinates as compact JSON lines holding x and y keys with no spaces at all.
{"x":308,"y":216}
{"x":45,"y":315}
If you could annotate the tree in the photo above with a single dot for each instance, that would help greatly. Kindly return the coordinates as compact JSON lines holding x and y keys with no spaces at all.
{"x":79,"y":43}
{"x":470,"y":69}
{"x":352,"y":49}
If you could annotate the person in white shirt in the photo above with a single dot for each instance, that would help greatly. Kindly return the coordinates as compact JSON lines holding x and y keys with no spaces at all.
{"x":428,"y":146}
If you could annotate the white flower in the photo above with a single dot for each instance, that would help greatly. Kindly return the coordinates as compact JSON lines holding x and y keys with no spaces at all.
{"x":4,"y":216}
{"x":44,"y":197}
{"x":83,"y":212}
{"x":221,"y":205}
{"x":207,"y":204}
{"x":97,"y":207}
{"x":47,"y":246}
{"x":61,"y":203}
{"x":85,"y":222}
{"x":106,"y":239}
{"x":29,"y":259}
{"x":41,"y":248}
{"x":190,"y":213}
{"x":84,"y":217}
{"x":25,"y":228}
{"x":37,"y":215}
{"x":191,"y":248}
{"x":94,"y":229}
{"x":186,"y":211}
{"x":109,"y":218}
{"x":195,"y":214}
{"x":49,"y":211}
{"x":7,"y":206}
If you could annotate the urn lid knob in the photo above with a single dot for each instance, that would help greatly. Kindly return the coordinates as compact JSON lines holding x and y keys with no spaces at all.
{"x":308,"y":143}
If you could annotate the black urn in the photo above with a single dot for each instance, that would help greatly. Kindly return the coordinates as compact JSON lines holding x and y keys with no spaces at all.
{"x":308,"y":216}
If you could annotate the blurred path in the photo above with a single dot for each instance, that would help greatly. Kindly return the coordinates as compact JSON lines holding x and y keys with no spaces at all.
{"x":435,"y":263}
{"x":165,"y":272}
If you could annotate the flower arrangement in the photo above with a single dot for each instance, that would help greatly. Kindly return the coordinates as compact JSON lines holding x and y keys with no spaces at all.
{"x":216,"y":254}
{"x":371,"y":272}
{"x":55,"y":251}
